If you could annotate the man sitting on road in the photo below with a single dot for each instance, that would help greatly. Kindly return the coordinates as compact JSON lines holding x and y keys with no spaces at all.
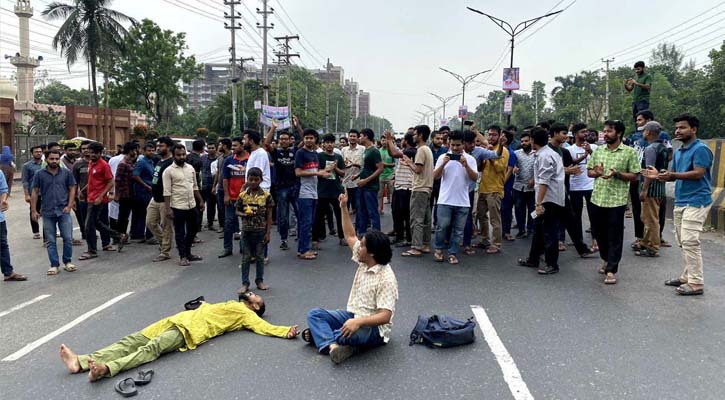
{"x":371,"y":305}
{"x":183,"y":331}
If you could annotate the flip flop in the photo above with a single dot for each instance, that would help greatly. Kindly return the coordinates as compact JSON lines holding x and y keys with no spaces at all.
{"x":144,"y":377}
{"x":53,"y":271}
{"x":307,"y":336}
{"x":452,"y":260}
{"x":674,"y":282}
{"x":193,"y":304}
{"x":410,"y":253}
{"x":126,"y":387}
{"x":610,"y":280}
{"x":109,"y":248}
{"x":493,"y":250}
{"x":438,"y":256}
{"x":15,"y":278}
{"x":87,"y":256}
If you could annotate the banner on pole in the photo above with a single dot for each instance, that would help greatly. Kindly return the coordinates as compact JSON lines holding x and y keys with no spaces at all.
{"x":463,"y":112}
{"x":278,"y":114}
{"x":508,"y":105}
{"x":511,"y":79}
{"x":257,"y":104}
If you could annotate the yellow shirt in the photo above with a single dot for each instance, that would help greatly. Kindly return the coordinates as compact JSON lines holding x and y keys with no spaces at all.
{"x":494,"y":173}
{"x":211,"y":320}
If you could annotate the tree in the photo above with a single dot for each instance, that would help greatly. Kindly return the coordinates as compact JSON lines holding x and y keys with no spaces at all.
{"x":58,"y":93}
{"x":90,"y":31}
{"x":712,"y":90}
{"x":147,"y":77}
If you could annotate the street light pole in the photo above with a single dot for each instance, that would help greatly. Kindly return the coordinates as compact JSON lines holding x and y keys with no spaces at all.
{"x":443,"y":100}
{"x":464,"y":81}
{"x":433,"y":111}
{"x":513,"y":32}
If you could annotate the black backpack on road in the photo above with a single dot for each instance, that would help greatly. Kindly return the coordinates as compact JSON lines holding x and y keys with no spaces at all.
{"x":442,"y":331}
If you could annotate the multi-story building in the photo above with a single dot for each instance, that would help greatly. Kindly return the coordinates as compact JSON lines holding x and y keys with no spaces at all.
{"x":352,"y":89}
{"x":364,"y":103}
{"x":201,"y":92}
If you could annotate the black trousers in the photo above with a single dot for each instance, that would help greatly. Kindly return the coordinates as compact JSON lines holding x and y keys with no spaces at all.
{"x":573,"y":226}
{"x":210,"y":204}
{"x":401,"y":215}
{"x":352,"y":199}
{"x":324,"y":205}
{"x":125,"y":206}
{"x":34,"y":225}
{"x":97,"y":219}
{"x":609,"y":231}
{"x":546,"y":236}
{"x":186,"y":227}
{"x":636,"y":209}
{"x":578,"y":199}
{"x":524,"y":205}
{"x":663,"y":215}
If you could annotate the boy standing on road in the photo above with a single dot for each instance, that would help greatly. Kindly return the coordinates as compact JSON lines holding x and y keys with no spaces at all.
{"x":254,"y":206}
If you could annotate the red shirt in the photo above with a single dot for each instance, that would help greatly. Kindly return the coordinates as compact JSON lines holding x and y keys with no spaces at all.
{"x":99,"y":173}
{"x":234,"y":172}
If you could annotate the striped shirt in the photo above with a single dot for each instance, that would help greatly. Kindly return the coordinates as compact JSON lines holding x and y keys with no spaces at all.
{"x":403,"y":173}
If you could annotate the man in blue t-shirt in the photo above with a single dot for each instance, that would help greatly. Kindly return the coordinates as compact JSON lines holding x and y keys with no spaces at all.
{"x":693,"y":197}
{"x":307,"y":169}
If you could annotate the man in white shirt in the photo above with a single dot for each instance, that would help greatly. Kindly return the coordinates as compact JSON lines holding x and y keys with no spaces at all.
{"x":352,"y":155}
{"x":456,"y":170}
{"x":581,"y":186}
{"x":258,"y":157}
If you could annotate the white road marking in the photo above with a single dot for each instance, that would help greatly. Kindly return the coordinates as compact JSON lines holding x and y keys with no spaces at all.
{"x":32,"y":346}
{"x":23,"y":305}
{"x":511,"y":373}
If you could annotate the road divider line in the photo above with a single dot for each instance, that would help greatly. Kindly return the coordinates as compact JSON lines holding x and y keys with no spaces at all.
{"x":32,"y":346}
{"x":511,"y":373}
{"x":23,"y":305}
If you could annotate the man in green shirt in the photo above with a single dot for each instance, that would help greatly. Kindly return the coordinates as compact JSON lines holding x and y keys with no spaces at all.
{"x":640,"y":87}
{"x":386,"y":178}
{"x":369,"y":184}
{"x":613,"y":166}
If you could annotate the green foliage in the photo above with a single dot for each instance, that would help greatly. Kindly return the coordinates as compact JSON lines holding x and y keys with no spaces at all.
{"x":90,"y":31}
{"x":46,"y":123}
{"x":58,"y":93}
{"x":147,"y":77}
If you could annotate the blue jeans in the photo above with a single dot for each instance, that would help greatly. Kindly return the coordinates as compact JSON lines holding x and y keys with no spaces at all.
{"x":284,"y":201}
{"x":638,"y":106}
{"x":450,"y":216}
{"x":231,"y":225}
{"x":306,"y":215}
{"x":367,"y":211}
{"x":253,"y":247}
{"x":5,"y":264}
{"x":65,"y":225}
{"x":326,"y":329}
{"x":468,"y":230}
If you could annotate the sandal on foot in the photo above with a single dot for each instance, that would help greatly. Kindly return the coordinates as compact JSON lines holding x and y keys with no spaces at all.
{"x":603,"y":269}
{"x":438,"y":256}
{"x":610,"y":280}
{"x":87,"y":256}
{"x":15,"y":278}
{"x":69,"y":267}
{"x":53,"y":271}
{"x":645,"y":252}
{"x":307,"y":256}
{"x":664,"y":243}
{"x":452,"y":259}
{"x":469,"y":251}
{"x":562,"y":246}
{"x":411,"y":253}
{"x":109,"y":248}
{"x":36,"y":236}
{"x":674,"y":282}
{"x":493,"y":250}
{"x":687,"y":290}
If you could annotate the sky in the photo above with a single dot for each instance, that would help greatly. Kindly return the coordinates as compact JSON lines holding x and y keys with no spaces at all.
{"x":394,"y":49}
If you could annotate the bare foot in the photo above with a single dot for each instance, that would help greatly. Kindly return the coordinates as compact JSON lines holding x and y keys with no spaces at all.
{"x":70,"y":359}
{"x":96,"y":370}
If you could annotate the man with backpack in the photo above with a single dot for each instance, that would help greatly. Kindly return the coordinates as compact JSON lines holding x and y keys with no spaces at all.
{"x":367,"y":320}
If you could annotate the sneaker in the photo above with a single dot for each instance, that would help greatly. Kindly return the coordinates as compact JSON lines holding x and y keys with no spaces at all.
{"x":283,"y":245}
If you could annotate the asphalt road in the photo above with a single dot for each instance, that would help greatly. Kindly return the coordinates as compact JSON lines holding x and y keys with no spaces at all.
{"x":570,"y":336}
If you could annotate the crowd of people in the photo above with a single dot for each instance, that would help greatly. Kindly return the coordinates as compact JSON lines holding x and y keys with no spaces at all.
{"x":445,"y":188}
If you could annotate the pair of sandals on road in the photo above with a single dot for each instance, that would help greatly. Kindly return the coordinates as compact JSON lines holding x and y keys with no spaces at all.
{"x":121,"y":243}
{"x":52,"y":271}
{"x":684,"y":288}
{"x":438,"y":257}
{"x":127,"y":387}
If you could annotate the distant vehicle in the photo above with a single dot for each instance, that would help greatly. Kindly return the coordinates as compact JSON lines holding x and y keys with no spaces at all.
{"x":185,"y":141}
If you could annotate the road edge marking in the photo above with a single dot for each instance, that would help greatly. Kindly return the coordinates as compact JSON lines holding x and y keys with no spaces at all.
{"x":511,"y":373}
{"x":33,"y":345}
{"x":23,"y":305}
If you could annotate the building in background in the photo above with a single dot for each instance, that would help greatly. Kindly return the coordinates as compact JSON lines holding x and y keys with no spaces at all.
{"x":364,"y":103}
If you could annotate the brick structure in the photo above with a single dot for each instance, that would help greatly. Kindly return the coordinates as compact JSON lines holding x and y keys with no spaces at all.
{"x":115,"y":125}
{"x":7,"y":122}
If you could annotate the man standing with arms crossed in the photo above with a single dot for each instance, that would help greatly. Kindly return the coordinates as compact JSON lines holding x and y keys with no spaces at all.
{"x":693,"y":198}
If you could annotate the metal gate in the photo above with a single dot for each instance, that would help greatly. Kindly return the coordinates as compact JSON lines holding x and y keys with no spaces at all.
{"x":23,"y":143}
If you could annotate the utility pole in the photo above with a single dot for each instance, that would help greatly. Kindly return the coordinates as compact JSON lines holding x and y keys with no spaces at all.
{"x":265,"y":77}
{"x":307,"y":89}
{"x":327,"y":99}
{"x":337,"y":113}
{"x":443,"y":100}
{"x":244,"y":104}
{"x":513,"y":32}
{"x":233,"y":26}
{"x":287,"y":56}
{"x":433,"y":111}
{"x":464,"y":81}
{"x":606,"y":94}
{"x":536,"y":105}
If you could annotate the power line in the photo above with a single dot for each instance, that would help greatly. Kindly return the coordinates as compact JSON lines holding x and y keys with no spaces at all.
{"x":279,"y":3}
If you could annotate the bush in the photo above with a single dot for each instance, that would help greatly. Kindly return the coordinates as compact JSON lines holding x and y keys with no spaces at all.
{"x":140,"y":130}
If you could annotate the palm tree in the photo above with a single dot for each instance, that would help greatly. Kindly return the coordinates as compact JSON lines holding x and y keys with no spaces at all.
{"x":91,"y":31}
